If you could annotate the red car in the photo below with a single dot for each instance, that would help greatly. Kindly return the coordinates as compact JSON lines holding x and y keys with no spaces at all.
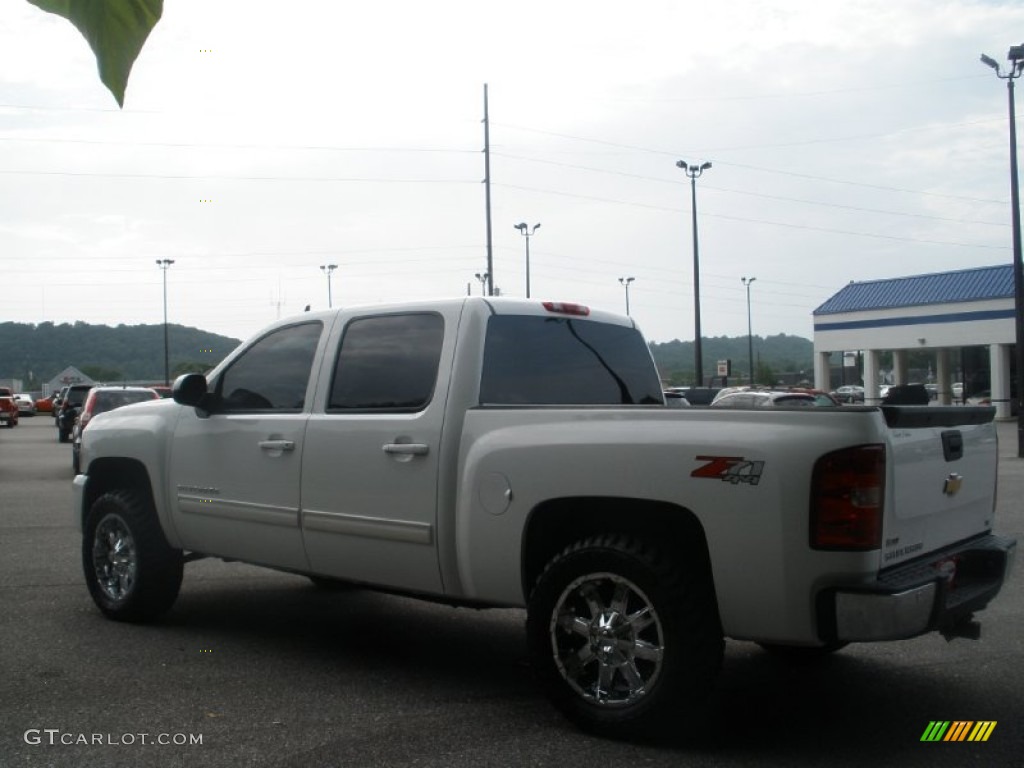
{"x":8,"y":408}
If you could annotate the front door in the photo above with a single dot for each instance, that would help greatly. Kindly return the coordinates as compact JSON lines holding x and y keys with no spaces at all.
{"x":235,"y":473}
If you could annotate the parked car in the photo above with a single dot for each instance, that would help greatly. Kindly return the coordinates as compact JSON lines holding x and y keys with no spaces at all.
{"x":44,"y":405}
{"x":58,"y":399}
{"x":26,"y":405}
{"x":984,"y":397}
{"x":849,"y":393}
{"x":100,"y":400}
{"x":675,"y":399}
{"x":70,"y":405}
{"x":821,"y":398}
{"x":8,"y":411}
{"x":755,"y":398}
{"x":697,"y":395}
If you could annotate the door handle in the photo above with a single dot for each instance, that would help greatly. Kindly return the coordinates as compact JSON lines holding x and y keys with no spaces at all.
{"x":277,"y":445}
{"x":407,"y":449}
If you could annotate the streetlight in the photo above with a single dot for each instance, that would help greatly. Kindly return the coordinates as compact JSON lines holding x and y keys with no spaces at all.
{"x":1016,"y":58}
{"x":625,"y":284}
{"x":327,"y":270}
{"x":482,"y":277}
{"x":694,"y":171}
{"x":165,"y":264}
{"x":750,"y":334}
{"x":526,"y":232}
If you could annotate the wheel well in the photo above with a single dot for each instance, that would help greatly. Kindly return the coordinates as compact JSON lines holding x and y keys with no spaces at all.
{"x":555,"y":524}
{"x":110,"y":474}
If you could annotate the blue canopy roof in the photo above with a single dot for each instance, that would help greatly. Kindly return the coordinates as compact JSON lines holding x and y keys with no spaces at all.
{"x":979,"y":284}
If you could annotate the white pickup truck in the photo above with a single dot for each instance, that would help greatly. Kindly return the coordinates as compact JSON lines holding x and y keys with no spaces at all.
{"x":497,"y":452}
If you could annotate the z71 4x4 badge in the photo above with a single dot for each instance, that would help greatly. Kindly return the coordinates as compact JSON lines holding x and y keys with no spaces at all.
{"x":730,"y":469}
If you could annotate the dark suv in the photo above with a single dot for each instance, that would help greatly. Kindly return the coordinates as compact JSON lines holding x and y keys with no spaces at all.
{"x":72,"y":403}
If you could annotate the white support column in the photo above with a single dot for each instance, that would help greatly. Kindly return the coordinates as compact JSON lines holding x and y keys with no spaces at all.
{"x":899,"y":366}
{"x":871,"y":377}
{"x":999,"y":378}
{"x":823,"y":371}
{"x":943,"y":377}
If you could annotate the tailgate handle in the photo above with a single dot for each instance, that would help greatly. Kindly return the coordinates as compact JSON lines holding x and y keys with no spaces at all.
{"x":952,"y":445}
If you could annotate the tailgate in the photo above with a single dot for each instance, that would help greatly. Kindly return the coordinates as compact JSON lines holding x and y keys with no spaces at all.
{"x":942,"y":478}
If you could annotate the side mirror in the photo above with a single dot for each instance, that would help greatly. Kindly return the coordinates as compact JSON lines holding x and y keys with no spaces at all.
{"x":190,"y":389}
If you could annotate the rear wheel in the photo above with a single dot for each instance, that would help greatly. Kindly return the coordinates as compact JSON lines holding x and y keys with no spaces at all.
{"x":131,"y":571}
{"x":623,"y":638}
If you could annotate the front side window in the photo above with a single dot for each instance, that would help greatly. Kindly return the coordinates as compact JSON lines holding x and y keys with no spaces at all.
{"x":387,"y":363}
{"x":272,"y":374}
{"x":532,"y":360}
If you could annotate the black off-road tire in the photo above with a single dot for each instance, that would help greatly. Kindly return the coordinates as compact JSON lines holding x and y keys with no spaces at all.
{"x":133,"y":574}
{"x":625,"y":640}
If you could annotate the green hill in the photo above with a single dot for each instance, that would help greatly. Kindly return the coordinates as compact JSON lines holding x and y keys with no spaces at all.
{"x":781,"y":357}
{"x":37,"y":353}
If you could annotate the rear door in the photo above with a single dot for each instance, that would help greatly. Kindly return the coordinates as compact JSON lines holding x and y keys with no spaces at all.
{"x":370,"y":470}
{"x":943,"y":478}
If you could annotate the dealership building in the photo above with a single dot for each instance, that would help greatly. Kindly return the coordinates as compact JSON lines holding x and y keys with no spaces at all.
{"x":963,"y":319}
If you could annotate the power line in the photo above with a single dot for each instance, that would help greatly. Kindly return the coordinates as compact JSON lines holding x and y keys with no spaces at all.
{"x":787,"y":225}
{"x":780,"y":197}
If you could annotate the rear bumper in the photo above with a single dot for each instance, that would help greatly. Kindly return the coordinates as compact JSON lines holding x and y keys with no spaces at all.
{"x":936,"y":592}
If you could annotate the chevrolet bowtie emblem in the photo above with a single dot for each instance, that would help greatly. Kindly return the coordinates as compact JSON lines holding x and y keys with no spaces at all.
{"x":953,"y":484}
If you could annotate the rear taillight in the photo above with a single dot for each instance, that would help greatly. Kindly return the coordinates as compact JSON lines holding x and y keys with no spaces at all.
{"x":847,"y":498}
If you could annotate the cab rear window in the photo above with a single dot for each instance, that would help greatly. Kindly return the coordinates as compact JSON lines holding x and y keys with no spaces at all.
{"x":533,"y":360}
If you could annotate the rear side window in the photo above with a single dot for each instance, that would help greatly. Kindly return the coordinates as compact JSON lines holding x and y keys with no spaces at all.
{"x":531,"y":360}
{"x":387,"y":363}
{"x":272,"y":374}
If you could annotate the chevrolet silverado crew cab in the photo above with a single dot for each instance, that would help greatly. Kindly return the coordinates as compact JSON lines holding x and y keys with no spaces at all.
{"x":501,"y":452}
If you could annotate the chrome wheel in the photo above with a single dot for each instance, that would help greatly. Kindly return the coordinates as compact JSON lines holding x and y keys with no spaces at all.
{"x":607,"y":639}
{"x":114,"y":558}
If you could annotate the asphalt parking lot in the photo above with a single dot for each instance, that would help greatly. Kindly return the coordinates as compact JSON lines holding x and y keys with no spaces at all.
{"x":266,"y":670}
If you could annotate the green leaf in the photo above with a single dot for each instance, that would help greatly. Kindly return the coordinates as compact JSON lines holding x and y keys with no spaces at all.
{"x":114,"y":29}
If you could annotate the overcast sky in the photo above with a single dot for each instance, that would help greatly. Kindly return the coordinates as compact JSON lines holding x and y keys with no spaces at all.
{"x":260,"y":140}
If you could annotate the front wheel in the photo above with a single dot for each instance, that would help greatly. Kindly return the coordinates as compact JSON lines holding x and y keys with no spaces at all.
{"x":131,"y":571}
{"x":622,"y":637}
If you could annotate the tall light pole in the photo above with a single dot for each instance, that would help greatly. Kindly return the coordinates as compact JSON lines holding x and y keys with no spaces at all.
{"x":526,"y":232}
{"x":164,"y":265}
{"x":483,"y":277}
{"x":750,"y":333}
{"x":1016,"y":58}
{"x":328,"y":269}
{"x":694,"y":172}
{"x":625,"y":284}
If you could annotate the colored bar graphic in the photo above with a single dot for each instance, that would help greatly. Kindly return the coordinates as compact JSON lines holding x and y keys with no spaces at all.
{"x":958,"y":730}
{"x":982,"y":730}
